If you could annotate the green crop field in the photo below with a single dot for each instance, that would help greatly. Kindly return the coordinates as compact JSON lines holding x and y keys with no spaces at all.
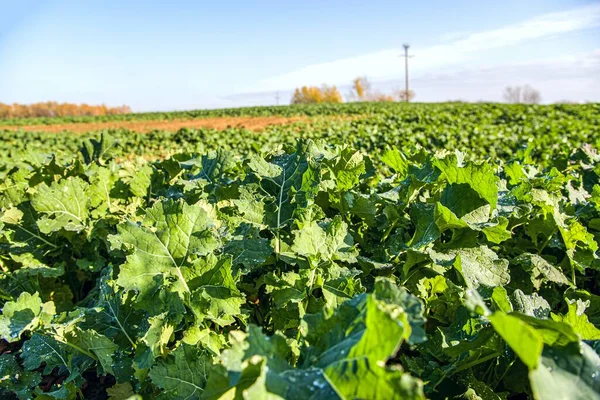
{"x":409,"y":251}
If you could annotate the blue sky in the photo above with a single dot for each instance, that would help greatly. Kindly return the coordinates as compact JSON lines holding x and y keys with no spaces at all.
{"x":187,"y":54}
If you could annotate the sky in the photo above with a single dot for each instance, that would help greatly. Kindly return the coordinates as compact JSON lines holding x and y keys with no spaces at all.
{"x":180,"y":54}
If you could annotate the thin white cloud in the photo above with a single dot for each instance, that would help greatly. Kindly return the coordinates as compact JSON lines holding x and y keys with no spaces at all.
{"x":387,"y":63}
{"x":454,"y":36}
{"x":537,"y":27}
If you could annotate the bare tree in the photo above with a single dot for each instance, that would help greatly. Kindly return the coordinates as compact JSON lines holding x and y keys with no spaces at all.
{"x":512,"y":94}
{"x":531,"y":95}
{"x":522,"y":94}
{"x":403,"y":95}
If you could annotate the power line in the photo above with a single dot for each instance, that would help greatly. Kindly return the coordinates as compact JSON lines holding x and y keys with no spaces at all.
{"x":277,"y":98}
{"x":406,"y":57}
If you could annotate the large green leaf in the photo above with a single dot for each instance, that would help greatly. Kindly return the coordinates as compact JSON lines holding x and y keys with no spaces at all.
{"x":286,"y":183}
{"x":27,"y":313}
{"x":47,"y":353}
{"x":327,"y":241}
{"x":525,"y":340}
{"x":214,"y":295}
{"x":481,"y":178}
{"x":162,"y":247}
{"x":579,"y":321}
{"x":64,"y":204}
{"x":183,"y":374}
{"x":571,"y":373}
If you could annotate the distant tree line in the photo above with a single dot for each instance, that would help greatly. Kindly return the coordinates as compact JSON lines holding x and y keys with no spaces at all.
{"x":361,"y":91}
{"x":54,"y":109}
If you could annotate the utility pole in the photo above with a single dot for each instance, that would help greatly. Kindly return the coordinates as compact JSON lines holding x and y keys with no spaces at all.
{"x":406,"y":57}
{"x":277,"y":98}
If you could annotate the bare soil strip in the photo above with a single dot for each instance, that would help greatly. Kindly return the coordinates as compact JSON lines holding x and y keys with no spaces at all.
{"x":220,"y":123}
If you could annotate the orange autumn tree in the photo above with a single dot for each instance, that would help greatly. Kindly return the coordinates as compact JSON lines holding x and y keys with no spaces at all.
{"x":313,"y":94}
{"x":307,"y":95}
{"x":331,"y":94}
{"x":54,"y":109}
{"x":361,"y":88}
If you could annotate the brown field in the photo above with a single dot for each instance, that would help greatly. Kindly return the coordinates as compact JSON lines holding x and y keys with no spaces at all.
{"x":252,"y":123}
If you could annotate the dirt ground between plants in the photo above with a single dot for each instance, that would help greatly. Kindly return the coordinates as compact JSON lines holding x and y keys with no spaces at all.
{"x":252,"y":123}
